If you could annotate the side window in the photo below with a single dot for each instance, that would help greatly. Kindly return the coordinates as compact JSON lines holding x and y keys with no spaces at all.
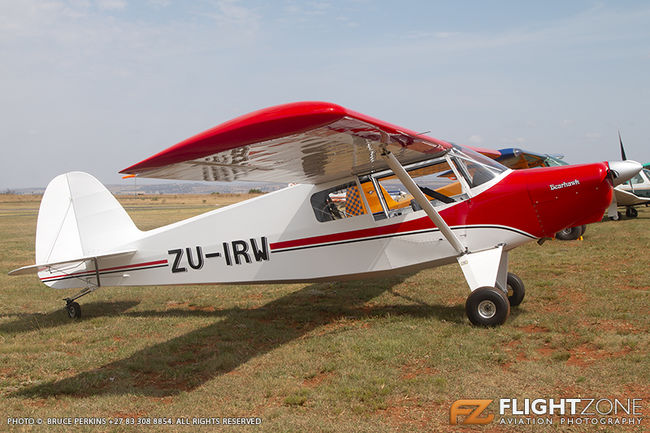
{"x":336,"y":203}
{"x":437,"y":181}
{"x":636,"y":179}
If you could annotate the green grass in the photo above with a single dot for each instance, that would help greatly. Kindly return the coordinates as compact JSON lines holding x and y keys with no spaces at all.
{"x":374,"y":355}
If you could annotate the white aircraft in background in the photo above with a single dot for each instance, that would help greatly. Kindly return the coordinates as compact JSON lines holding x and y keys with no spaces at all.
{"x":635,"y":192}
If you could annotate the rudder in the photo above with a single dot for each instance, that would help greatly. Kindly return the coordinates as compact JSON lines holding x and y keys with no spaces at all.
{"x":79,"y":217}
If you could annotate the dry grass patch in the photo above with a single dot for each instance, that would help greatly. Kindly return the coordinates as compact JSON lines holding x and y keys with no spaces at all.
{"x":377,"y":355}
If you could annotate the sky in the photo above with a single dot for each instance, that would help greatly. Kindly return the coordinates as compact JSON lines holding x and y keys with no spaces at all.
{"x":99,"y":85}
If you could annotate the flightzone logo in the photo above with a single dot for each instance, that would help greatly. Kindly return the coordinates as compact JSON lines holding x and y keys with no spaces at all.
{"x":472,"y":410}
{"x":545,"y":411}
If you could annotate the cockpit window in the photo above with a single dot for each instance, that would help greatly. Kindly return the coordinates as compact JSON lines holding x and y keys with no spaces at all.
{"x":337,"y":203}
{"x":636,"y":179}
{"x":551,"y":161}
{"x":386,"y":196}
{"x":435,"y":179}
{"x":647,"y":173}
{"x":476,"y":168}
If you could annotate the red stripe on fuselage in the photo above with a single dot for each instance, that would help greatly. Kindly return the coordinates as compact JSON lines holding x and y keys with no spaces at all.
{"x":405,"y":227}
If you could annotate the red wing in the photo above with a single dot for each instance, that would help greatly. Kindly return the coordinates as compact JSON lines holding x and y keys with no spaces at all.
{"x":302,"y":142}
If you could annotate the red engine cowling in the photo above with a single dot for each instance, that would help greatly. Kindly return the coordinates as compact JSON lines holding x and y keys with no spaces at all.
{"x":569,"y":196}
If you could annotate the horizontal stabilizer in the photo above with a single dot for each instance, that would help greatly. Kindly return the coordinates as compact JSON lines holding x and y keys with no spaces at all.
{"x":32,"y":269}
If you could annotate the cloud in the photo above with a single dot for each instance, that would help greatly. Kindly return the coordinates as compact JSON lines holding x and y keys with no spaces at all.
{"x":307,"y":9}
{"x":159,"y":3}
{"x":111,"y":5}
{"x":347,"y":21}
{"x":421,"y":34}
{"x":233,"y":18}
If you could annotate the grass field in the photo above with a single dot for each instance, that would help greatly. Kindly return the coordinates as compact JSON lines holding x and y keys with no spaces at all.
{"x":367,"y":356}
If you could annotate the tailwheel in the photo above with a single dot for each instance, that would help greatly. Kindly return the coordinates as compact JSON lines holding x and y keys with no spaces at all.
{"x":516,"y":290}
{"x":631,"y":212}
{"x":487,"y":306}
{"x":73,"y":309}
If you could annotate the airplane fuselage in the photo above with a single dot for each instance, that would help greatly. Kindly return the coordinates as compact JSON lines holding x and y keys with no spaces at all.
{"x":277,"y":237}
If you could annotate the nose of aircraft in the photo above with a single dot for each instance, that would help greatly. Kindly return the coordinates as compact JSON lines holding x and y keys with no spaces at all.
{"x":623,"y":171}
{"x":570,"y":195}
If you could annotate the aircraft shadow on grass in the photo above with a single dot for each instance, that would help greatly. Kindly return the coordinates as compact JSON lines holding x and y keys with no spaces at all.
{"x":27,"y":322}
{"x":39,"y":321}
{"x":186,"y":362}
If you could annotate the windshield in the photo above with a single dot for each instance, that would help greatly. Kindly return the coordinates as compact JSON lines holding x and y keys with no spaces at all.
{"x":476,"y":168}
{"x":636,"y":179}
{"x":552,"y":161}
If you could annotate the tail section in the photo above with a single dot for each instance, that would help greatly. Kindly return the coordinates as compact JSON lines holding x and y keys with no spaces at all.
{"x":79,"y":218}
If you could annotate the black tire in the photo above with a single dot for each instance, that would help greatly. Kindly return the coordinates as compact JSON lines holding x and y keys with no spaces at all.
{"x":487,"y":306}
{"x":73,"y":309}
{"x":569,"y":233}
{"x":631,"y":212}
{"x":516,"y":290}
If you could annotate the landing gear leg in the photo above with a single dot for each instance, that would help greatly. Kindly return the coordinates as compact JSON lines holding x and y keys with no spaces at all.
{"x":631,"y":212}
{"x":487,"y":275}
{"x":73,"y":308}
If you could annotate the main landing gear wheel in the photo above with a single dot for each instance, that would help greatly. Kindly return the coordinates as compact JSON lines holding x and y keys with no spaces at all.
{"x":631,"y":212}
{"x":516,"y":290}
{"x":584,"y":229}
{"x":73,"y":309}
{"x":570,"y":233}
{"x":487,"y":306}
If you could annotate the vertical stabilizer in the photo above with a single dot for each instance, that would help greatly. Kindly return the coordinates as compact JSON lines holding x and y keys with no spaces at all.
{"x":79,"y":217}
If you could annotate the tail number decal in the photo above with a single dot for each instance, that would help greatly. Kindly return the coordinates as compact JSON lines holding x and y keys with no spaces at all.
{"x":236,"y":252}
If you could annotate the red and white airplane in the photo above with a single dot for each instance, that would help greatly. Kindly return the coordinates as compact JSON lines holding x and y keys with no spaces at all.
{"x":461,"y":207}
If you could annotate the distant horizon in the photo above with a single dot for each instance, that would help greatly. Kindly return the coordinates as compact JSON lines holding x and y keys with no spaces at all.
{"x":206,"y":186}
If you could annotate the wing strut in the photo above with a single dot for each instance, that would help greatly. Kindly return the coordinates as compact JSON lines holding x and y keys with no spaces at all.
{"x":422,"y":200}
